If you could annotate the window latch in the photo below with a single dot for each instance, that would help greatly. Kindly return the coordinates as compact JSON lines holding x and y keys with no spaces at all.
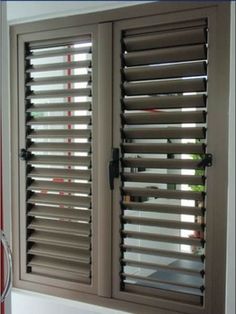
{"x":24,"y":154}
{"x":114,"y":167}
{"x":206,"y":161}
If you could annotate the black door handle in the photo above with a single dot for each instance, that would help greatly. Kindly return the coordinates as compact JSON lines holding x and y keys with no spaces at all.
{"x":114,"y":167}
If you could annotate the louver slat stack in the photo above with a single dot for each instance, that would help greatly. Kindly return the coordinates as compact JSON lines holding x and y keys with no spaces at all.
{"x":59,"y":164}
{"x":164,"y":93}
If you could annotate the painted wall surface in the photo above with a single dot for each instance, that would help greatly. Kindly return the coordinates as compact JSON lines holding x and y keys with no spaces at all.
{"x":24,"y":11}
{"x":5,"y":131}
{"x":24,"y":302}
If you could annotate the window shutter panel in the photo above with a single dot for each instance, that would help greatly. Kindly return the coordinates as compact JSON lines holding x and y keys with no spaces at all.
{"x":163,"y":162}
{"x":58,"y":158}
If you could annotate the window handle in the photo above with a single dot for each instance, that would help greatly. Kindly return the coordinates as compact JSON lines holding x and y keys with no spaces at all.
{"x":114,"y":167}
{"x":24,"y":154}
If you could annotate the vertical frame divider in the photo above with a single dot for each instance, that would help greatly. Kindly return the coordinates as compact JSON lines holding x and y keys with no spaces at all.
{"x":218,"y":110}
{"x":104,"y":156}
{"x":22,"y":164}
{"x":117,"y":79}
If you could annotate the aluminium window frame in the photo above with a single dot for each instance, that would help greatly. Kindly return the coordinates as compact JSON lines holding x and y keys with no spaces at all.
{"x":215,"y":112}
{"x":58,"y":36}
{"x":105,"y":20}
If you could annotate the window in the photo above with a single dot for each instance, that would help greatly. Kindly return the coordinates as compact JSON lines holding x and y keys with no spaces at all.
{"x":120,"y":196}
{"x":57,"y":160}
{"x":153,"y":126}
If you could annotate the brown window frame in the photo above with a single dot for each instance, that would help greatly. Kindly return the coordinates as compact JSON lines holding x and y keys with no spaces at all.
{"x":106,"y":24}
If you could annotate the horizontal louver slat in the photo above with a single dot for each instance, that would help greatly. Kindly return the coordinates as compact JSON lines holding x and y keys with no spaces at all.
{"x":175,"y":283}
{"x":60,"y":213}
{"x":63,"y":161}
{"x":165,"y":253}
{"x":163,"y":178}
{"x":60,"y":187}
{"x":165,"y":117}
{"x":162,"y":238}
{"x":147,"y":148}
{"x":76,"y":201}
{"x":164,"y":87}
{"x":164,"y":102}
{"x":59,"y":80}
{"x":70,"y":106}
{"x":59,"y":66}
{"x":163,"y":133}
{"x":168,"y":39}
{"x":60,"y":93}
{"x":161,"y":193}
{"x":48,"y":225}
{"x":159,"y":28}
{"x":128,"y":262}
{"x":162,"y":223}
{"x":165,"y":71}
{"x":60,"y":173}
{"x":52,"y":44}
{"x":58,"y":52}
{"x":165,"y":55}
{"x":66,"y":275}
{"x":52,"y":263}
{"x":59,"y":253}
{"x":63,"y":240}
{"x":60,"y":134}
{"x":60,"y":147}
{"x":59,"y":120}
{"x":161,"y":163}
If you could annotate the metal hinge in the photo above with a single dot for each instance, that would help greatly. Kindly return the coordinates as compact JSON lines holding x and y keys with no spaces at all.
{"x":206,"y":161}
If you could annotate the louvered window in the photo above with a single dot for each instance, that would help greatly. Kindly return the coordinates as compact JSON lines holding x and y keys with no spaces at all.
{"x":163,"y":176}
{"x":58,"y":158}
{"x":163,"y":186}
{"x":119,"y":157}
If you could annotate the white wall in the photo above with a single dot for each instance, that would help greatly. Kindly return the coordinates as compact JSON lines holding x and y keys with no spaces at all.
{"x":31,"y":303}
{"x":24,"y":11}
{"x":24,"y":302}
{"x":5,"y":129}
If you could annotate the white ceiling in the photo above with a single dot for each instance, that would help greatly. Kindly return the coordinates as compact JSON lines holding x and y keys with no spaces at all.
{"x":24,"y":11}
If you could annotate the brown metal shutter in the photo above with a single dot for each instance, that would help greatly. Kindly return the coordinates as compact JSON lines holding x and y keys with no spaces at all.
{"x":58,"y":156}
{"x":163,"y":160}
